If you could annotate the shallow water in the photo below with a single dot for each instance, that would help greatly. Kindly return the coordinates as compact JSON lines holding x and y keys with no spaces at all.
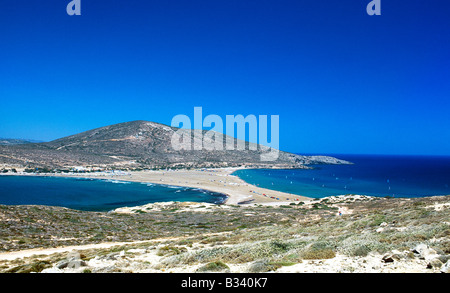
{"x":94,"y":194}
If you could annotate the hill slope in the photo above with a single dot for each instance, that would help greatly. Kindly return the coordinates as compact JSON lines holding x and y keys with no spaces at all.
{"x":140,"y":144}
{"x":15,"y":141}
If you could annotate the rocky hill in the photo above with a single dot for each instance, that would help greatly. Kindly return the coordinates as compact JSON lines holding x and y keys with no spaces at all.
{"x":140,"y":144}
{"x":16,"y":141}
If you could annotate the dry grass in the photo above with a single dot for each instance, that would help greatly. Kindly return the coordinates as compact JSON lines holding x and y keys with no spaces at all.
{"x":268,"y":239}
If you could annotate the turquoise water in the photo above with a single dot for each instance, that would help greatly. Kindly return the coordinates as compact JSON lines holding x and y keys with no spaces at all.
{"x":94,"y":194}
{"x":397,"y":176}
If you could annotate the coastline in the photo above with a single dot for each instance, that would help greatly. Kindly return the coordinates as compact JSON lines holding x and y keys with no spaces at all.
{"x":218,"y":180}
{"x":144,"y":239}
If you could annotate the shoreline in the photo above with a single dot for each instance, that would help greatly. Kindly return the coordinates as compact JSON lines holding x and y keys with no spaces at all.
{"x":218,"y":180}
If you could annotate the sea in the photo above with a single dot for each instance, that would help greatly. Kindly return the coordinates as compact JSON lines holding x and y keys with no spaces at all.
{"x":382,"y":176}
{"x":95,"y":194}
{"x":373,"y":175}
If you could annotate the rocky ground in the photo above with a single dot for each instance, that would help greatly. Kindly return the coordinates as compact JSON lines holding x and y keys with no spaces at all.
{"x":336,"y":234}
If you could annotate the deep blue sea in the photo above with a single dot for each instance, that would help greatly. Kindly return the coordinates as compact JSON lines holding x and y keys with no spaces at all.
{"x":397,"y":176}
{"x":94,"y":194}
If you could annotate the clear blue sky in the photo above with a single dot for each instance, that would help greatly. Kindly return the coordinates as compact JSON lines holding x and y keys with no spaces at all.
{"x":340,"y":80}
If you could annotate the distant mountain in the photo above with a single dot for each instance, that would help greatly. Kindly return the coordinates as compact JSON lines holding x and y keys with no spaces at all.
{"x":15,"y":141}
{"x":141,"y":144}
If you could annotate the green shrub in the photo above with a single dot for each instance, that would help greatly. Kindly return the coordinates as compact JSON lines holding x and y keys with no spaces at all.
{"x":216,"y":266}
{"x":377,"y":220}
{"x":262,"y":266}
{"x":318,"y":250}
{"x":278,"y":246}
{"x":170,"y":250}
{"x":35,"y":267}
{"x":362,"y":245}
{"x":242,"y":253}
{"x":318,"y":254}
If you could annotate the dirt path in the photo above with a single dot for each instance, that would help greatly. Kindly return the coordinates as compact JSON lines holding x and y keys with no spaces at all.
{"x":48,"y":251}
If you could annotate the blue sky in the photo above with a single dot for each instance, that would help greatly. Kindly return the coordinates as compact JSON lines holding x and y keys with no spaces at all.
{"x":340,"y":80}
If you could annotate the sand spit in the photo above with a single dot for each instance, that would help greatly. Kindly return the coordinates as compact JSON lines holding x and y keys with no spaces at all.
{"x":271,"y":232}
{"x":218,"y":180}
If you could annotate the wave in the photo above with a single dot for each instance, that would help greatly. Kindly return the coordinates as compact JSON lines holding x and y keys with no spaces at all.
{"x":174,"y":187}
{"x":83,"y":179}
{"x":148,"y":184}
{"x":116,"y":181}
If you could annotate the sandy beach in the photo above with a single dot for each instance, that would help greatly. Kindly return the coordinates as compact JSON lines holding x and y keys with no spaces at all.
{"x":218,"y":180}
{"x":265,"y":235}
